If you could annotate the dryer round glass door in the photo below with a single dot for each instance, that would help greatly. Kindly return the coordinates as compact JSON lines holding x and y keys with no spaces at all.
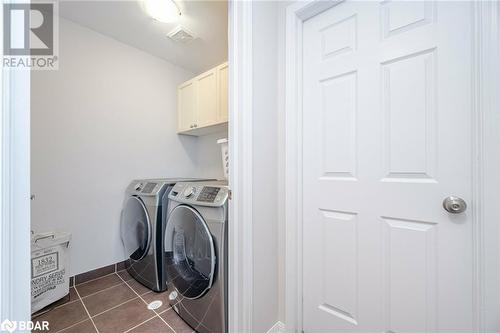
{"x":135,"y":229}
{"x":189,"y":252}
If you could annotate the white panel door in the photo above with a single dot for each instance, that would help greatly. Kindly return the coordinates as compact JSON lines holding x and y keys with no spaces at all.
{"x":386,"y":137}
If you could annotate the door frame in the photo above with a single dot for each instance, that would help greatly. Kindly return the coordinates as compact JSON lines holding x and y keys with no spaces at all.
{"x":15,"y":251}
{"x":240,"y":231}
{"x":485,"y":160}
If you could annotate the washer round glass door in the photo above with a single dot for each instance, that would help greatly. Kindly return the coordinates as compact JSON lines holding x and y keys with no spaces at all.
{"x":189,"y":252}
{"x":135,"y":229}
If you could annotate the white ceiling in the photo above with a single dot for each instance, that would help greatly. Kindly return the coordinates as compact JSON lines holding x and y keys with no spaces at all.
{"x":127,"y":22}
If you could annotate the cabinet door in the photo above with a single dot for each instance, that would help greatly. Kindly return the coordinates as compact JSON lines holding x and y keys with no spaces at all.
{"x":207,"y":98}
{"x":186,"y":106}
{"x":222,"y":93}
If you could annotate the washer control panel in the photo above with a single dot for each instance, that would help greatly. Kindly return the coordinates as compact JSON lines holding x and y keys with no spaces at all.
{"x":208,"y":194}
{"x":200,"y":194}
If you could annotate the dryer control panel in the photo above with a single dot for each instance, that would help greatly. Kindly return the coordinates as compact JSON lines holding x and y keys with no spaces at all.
{"x":203,"y":194}
{"x":144,"y":187}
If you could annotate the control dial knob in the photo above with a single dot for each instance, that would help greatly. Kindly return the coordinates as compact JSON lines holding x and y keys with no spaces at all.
{"x":189,"y":191}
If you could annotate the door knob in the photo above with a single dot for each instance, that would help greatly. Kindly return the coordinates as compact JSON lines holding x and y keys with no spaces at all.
{"x":454,"y":205}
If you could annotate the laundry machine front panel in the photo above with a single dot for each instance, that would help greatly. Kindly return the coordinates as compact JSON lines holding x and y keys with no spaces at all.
{"x":136,"y":229}
{"x":190,"y":257}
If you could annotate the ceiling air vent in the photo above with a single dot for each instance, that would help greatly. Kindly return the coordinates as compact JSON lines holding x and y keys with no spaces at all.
{"x":181,"y":35}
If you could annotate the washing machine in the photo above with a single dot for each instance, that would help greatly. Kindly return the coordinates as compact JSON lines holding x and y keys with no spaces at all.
{"x":142,"y":229}
{"x":196,"y":254}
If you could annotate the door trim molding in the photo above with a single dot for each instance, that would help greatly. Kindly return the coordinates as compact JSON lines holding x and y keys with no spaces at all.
{"x":486,"y":103}
{"x":240,"y":249}
{"x":279,"y":327}
{"x":15,"y":253}
{"x":486,"y":163}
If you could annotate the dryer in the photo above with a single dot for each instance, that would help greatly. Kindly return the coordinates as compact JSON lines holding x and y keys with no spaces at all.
{"x":142,"y":229}
{"x":196,"y":254}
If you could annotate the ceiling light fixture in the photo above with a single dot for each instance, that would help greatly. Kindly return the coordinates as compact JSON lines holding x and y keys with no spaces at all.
{"x":162,"y":10}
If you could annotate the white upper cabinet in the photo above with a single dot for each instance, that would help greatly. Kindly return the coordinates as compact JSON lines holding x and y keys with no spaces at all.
{"x":202,"y":103}
{"x":207,"y":98}
{"x":222,"y":92}
{"x":186,"y":101}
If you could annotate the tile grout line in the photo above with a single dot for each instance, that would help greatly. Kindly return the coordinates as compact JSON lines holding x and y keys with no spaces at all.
{"x":71,"y":326}
{"x":86,"y":310}
{"x":114,"y":307}
{"x":130,"y":329}
{"x":92,"y":280}
{"x":105,"y":289}
{"x":156,"y":314}
{"x":97,"y":314}
{"x":161,"y":318}
{"x":60,"y":305}
{"x":163,"y":311}
{"x":63,"y":304}
{"x":135,"y":292}
{"x":70,"y":302}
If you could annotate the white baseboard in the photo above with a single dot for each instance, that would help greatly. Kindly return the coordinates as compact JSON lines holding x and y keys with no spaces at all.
{"x":279,"y":327}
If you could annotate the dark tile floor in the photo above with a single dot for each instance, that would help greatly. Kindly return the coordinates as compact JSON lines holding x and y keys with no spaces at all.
{"x":115,"y":303}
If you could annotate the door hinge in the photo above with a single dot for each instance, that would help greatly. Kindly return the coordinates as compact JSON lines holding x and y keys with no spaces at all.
{"x":230,"y":195}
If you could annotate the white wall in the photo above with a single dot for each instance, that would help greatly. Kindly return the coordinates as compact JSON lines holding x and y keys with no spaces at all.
{"x":265,"y":168}
{"x":107,"y":116}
